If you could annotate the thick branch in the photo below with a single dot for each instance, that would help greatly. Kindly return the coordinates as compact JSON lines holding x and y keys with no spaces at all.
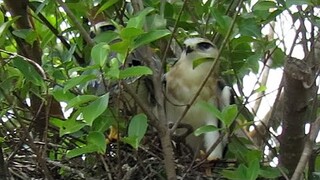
{"x":296,"y":98}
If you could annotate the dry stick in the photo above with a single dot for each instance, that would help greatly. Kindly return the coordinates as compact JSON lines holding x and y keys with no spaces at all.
{"x":215,"y":62}
{"x":314,"y":130}
{"x":78,"y":25}
{"x":29,"y":140}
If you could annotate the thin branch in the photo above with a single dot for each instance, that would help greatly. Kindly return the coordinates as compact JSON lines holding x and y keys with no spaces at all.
{"x":77,"y":24}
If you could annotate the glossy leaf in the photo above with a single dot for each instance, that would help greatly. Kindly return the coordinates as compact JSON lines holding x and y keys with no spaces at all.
{"x":80,"y":100}
{"x":205,"y":129}
{"x":135,"y":71}
{"x":136,"y":130}
{"x":95,"y":109}
{"x":29,"y":72}
{"x":71,"y":83}
{"x":138,"y":21}
{"x":150,"y":37}
{"x":100,"y":53}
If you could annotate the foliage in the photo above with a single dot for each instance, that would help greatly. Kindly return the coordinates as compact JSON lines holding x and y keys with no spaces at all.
{"x":89,"y":79}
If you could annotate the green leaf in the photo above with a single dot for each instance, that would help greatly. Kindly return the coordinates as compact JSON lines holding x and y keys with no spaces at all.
{"x":252,"y":172}
{"x":104,"y":121}
{"x":135,"y":71}
{"x":269,"y":172}
{"x":138,"y":21}
{"x":97,"y":139}
{"x":4,"y":26}
{"x":105,"y":6}
{"x":205,"y":129}
{"x":262,"y":88}
{"x":249,"y":27}
{"x":70,"y":126}
{"x":229,"y":114}
{"x":100,"y":53}
{"x":82,"y":150}
{"x":223,"y":22}
{"x":80,"y":100}
{"x":278,"y":58}
{"x":121,"y":47}
{"x":136,"y":130}
{"x":150,"y":37}
{"x":95,"y":109}
{"x":197,"y":62}
{"x":27,"y":34}
{"x":210,"y":108}
{"x":61,"y":95}
{"x":130,"y":33}
{"x":77,"y":81}
{"x":29,"y":72}
{"x":264,"y":6}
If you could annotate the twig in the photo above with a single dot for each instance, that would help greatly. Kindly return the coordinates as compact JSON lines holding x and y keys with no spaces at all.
{"x":78,"y":25}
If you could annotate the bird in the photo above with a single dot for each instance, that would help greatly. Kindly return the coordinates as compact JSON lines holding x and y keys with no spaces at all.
{"x":182,"y":82}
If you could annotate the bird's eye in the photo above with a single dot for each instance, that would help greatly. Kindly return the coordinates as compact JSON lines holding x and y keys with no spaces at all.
{"x":204,"y":45}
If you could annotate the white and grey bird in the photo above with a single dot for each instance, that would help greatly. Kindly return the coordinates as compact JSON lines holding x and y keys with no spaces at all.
{"x":183,"y":82}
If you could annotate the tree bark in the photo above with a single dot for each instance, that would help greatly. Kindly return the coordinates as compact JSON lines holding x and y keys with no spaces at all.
{"x":296,"y":96}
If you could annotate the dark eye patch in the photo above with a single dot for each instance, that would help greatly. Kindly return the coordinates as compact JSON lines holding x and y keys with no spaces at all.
{"x":109,"y":27}
{"x":204,"y":45}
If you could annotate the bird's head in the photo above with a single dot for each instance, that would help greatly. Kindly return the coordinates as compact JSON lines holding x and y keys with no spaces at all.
{"x":198,"y":48}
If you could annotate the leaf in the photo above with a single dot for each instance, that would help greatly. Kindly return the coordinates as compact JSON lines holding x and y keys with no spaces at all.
{"x":262,"y":88}
{"x":210,"y":108}
{"x":150,"y":37}
{"x":197,"y":62}
{"x":77,"y":81}
{"x":269,"y":172}
{"x":252,"y":172}
{"x":4,"y":26}
{"x":104,"y":121}
{"x":105,"y":6}
{"x":278,"y":58}
{"x":100,"y":53}
{"x":249,"y":27}
{"x":138,"y":21}
{"x":70,"y":126}
{"x":80,"y":100}
{"x":205,"y":129}
{"x":29,"y":72}
{"x":95,"y":109}
{"x":264,"y":6}
{"x":229,"y":114}
{"x":82,"y":150}
{"x":121,"y":47}
{"x":136,"y":130}
{"x":27,"y":34}
{"x":135,"y":71}
{"x":130,"y":33}
{"x":97,"y":139}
